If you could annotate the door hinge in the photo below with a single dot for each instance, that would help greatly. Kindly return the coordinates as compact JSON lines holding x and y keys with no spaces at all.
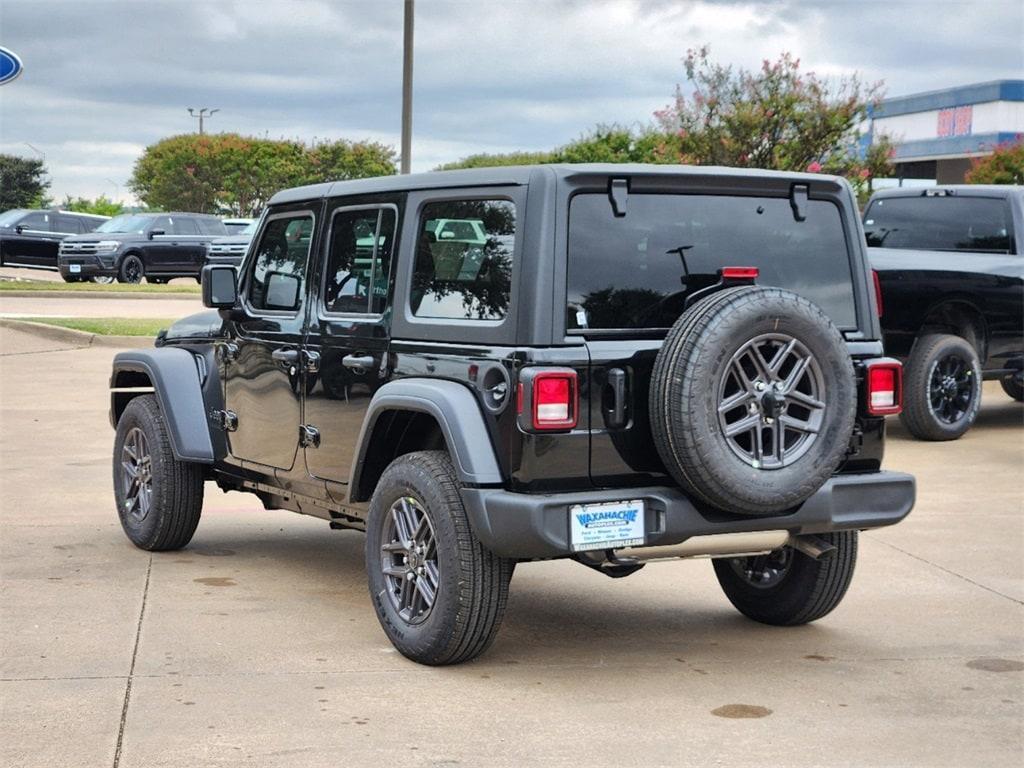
{"x":309,"y":436}
{"x":226,"y":420}
{"x":228,"y":352}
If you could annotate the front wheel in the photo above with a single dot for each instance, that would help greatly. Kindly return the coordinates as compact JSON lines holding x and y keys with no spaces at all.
{"x":941,"y":388}
{"x":439,"y":594}
{"x":132,"y":270}
{"x":159,"y":498}
{"x":787,"y":587}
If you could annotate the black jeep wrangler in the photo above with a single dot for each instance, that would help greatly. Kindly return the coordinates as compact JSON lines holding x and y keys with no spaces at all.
{"x":609,"y":363}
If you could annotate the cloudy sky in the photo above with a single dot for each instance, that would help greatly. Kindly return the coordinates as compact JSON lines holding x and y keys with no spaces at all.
{"x":103,"y":79}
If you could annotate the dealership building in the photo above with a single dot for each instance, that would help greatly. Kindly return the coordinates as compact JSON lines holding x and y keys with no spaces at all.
{"x":937,"y":134}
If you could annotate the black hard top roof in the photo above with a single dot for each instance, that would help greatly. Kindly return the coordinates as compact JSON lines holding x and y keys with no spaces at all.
{"x":519,"y":174}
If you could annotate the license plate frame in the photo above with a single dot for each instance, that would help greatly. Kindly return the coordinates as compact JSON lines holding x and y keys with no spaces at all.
{"x":607,"y":525}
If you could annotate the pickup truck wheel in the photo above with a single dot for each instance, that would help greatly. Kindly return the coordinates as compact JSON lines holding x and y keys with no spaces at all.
{"x":942,"y":388}
{"x":159,"y":499}
{"x":787,"y":587}
{"x":1013,"y":387}
{"x":439,"y":594}
{"x":131,"y":271}
{"x":103,"y":279}
{"x":752,"y":400}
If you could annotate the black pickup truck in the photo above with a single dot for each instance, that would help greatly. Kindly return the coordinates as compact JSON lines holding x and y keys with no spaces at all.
{"x":950,"y":265}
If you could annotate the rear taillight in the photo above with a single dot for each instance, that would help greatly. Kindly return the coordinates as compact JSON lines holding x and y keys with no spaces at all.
{"x":548,"y":399}
{"x":878,"y":292}
{"x":884,"y":387}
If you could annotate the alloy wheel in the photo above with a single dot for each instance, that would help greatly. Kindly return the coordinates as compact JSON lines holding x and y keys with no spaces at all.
{"x":951,"y":384}
{"x":771,"y":401}
{"x":409,"y":560}
{"x":136,"y":474}
{"x":763,"y":571}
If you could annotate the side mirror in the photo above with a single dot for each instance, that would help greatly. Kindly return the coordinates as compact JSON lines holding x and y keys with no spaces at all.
{"x":20,"y":228}
{"x":282,"y":291}
{"x":154,"y":232}
{"x":220,"y":287}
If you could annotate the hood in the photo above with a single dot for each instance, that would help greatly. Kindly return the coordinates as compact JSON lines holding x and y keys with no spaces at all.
{"x":202,"y":325}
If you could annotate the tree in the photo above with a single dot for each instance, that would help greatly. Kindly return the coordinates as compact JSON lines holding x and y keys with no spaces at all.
{"x":1004,"y":166}
{"x":777,"y":117}
{"x":613,"y":144}
{"x":229,"y":173}
{"x":100,"y":206}
{"x":484,"y":160}
{"x":22,"y":183}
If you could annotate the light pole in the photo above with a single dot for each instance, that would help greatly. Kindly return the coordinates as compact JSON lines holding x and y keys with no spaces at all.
{"x":205,"y":112}
{"x":407,"y":87}
{"x":42,"y":155}
{"x":117,"y":190}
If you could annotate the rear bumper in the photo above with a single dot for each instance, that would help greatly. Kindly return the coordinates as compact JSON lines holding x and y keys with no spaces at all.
{"x":530,"y":526}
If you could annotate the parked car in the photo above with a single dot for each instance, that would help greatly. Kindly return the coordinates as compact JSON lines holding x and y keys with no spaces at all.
{"x":236,"y":226}
{"x":230,"y":250}
{"x":133,"y":246}
{"x":618,"y":364}
{"x":952,"y":279}
{"x":31,"y":238}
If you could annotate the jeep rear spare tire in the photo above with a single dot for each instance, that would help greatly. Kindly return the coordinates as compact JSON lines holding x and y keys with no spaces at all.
{"x":752,"y":400}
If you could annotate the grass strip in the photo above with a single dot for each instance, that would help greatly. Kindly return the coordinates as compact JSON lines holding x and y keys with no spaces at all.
{"x":43,"y":287}
{"x":107,"y":326}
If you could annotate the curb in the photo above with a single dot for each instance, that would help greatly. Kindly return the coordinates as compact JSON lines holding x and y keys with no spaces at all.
{"x":72,"y":336}
{"x":97,"y":295}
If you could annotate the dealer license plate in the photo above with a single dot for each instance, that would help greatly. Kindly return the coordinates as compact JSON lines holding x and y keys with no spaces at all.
{"x":606,"y":526}
{"x":74,"y":268}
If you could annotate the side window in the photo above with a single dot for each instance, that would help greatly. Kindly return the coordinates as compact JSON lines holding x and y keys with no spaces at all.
{"x":69,"y":225}
{"x":211,"y":227}
{"x":184,"y":225}
{"x":40,"y":222}
{"x":279,"y":268}
{"x":359,"y":261}
{"x":162,"y":223}
{"x":463,"y":265}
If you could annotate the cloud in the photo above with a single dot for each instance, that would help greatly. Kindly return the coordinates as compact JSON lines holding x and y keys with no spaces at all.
{"x":104,"y":78}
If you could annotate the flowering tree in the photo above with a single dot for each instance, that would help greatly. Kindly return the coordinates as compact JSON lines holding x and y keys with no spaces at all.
{"x":777,"y":117}
{"x":1004,"y":166}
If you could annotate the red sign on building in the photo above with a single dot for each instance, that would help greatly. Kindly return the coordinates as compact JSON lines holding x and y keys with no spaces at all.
{"x":955,"y":121}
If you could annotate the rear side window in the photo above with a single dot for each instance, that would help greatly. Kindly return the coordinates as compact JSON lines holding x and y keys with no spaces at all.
{"x":185,"y":226}
{"x":279,"y":268}
{"x":70,"y":225}
{"x":940,"y":223}
{"x":212,"y":227}
{"x":463,"y":266}
{"x":635,"y":271}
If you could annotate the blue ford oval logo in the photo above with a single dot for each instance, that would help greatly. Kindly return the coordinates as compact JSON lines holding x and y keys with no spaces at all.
{"x":10,"y":66}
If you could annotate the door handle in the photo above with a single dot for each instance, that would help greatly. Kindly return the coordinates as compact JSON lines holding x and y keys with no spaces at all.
{"x":615,"y":417}
{"x":358,"y":361}
{"x":286,"y":356}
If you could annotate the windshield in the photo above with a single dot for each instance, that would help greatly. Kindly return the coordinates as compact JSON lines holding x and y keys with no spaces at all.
{"x":10,"y":218}
{"x":940,"y":223}
{"x":128,"y":223}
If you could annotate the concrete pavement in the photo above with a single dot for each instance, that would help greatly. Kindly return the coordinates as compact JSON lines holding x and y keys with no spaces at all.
{"x":257,"y":644}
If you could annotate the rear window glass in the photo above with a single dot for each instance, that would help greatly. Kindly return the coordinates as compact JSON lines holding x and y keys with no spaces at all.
{"x":940,"y":223}
{"x":635,"y":271}
{"x":464,"y":260}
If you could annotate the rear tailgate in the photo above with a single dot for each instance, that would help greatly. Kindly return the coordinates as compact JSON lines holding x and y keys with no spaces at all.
{"x":629,"y":276}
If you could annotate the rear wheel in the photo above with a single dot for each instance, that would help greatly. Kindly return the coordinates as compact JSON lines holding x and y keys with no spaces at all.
{"x":787,"y":587}
{"x":159,"y":499}
{"x":1013,"y":386}
{"x":157,"y":280}
{"x":439,"y":594}
{"x":103,"y":279}
{"x":941,"y":388}
{"x":132,"y":270}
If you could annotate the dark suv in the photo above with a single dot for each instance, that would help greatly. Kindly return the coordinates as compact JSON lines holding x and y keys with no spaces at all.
{"x":30,"y":238}
{"x":157,"y":246}
{"x":611,"y":363}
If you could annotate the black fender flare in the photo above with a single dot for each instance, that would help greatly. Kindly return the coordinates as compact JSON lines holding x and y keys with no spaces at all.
{"x":456,"y":411}
{"x":174,"y":375}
